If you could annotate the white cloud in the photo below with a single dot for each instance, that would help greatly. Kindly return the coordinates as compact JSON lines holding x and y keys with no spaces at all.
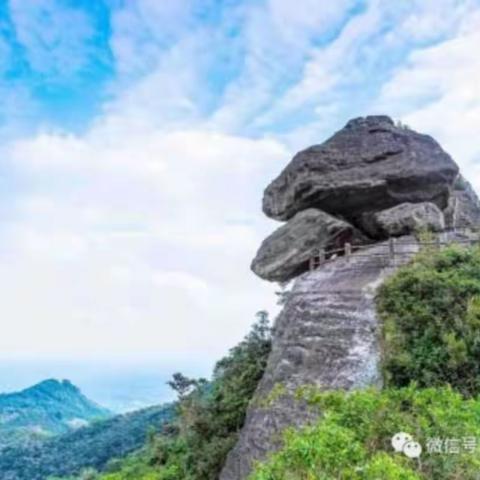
{"x":277,"y":38}
{"x":140,"y":30}
{"x":135,"y":247}
{"x":18,"y":107}
{"x":430,"y":20}
{"x":135,"y":237}
{"x":56,"y":37}
{"x":297,"y":23}
{"x":342,"y":75}
{"x":326,"y":66}
{"x":437,"y":91}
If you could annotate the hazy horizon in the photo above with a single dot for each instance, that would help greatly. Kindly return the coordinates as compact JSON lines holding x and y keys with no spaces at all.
{"x":119,"y":386}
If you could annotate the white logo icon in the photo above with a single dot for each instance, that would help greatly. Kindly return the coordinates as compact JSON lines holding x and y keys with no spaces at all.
{"x":404,"y":442}
{"x":399,"y":440}
{"x":412,"y":449}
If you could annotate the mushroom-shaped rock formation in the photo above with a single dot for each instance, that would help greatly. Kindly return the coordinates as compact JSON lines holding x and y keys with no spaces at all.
{"x":286,"y":252}
{"x":404,"y":219}
{"x":369,"y":165}
{"x":385,"y":181}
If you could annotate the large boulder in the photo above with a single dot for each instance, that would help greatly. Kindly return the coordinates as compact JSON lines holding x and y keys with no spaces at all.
{"x":404,"y":219}
{"x":369,"y":165}
{"x":286,"y":252}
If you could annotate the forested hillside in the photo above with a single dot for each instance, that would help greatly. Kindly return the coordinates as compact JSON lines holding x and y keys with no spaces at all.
{"x":46,"y":409}
{"x":210,"y":415}
{"x":92,"y":446}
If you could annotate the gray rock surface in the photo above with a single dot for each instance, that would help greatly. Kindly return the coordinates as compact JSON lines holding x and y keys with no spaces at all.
{"x":385,"y":180}
{"x":463,"y":207}
{"x":405,"y":219}
{"x":327,"y":335}
{"x":369,"y":165}
{"x":286,"y":252}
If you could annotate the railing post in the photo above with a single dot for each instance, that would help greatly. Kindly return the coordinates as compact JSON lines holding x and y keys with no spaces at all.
{"x":391,"y":248}
{"x":454,"y":214}
{"x":321,"y":256}
{"x":438,"y":243}
{"x":348,"y":251}
{"x":315,"y":259}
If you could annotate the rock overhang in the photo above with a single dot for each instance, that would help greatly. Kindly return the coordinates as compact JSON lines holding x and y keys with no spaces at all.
{"x":359,"y":177}
{"x":370,"y":162}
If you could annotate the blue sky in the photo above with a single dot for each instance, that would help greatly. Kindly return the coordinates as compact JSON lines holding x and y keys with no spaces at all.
{"x":137,"y":137}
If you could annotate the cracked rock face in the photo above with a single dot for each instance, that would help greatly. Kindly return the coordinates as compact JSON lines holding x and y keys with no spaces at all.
{"x":286,"y":252}
{"x":327,"y":335}
{"x":405,"y":219}
{"x":369,"y":165}
{"x":463,"y":207}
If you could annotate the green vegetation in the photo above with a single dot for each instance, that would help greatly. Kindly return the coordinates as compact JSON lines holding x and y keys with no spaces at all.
{"x":431,"y":313}
{"x":44,"y":410}
{"x":93,"y":446}
{"x":352,"y":440}
{"x":210,"y":415}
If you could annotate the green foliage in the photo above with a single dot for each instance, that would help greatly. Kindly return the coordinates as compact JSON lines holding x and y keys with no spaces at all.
{"x":210,"y":415}
{"x":460,"y":184}
{"x":431,"y":313}
{"x":83,"y":449}
{"x":44,"y":410}
{"x":273,"y":396}
{"x":352,"y":440}
{"x":89,"y":474}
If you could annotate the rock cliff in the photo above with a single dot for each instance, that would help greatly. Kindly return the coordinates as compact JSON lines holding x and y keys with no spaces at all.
{"x":371,"y":181}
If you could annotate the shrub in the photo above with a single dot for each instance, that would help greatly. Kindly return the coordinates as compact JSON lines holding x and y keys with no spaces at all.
{"x":431,"y":315}
{"x":352,"y":439}
{"x":212,"y":414}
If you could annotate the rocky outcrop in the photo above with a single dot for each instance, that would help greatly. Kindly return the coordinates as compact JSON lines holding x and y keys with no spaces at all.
{"x":405,"y":219}
{"x":326,"y":335}
{"x":372,"y":180}
{"x":369,"y":165}
{"x":463,"y":207}
{"x":286,"y":252}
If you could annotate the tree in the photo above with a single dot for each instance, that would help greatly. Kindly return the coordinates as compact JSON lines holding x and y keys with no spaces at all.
{"x":212,"y":413}
{"x":182,"y":384}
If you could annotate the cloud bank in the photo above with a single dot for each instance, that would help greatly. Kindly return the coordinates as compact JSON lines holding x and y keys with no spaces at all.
{"x":128,"y":231}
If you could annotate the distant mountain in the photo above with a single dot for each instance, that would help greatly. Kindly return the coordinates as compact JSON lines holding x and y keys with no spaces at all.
{"x":49,"y":408}
{"x":92,"y":446}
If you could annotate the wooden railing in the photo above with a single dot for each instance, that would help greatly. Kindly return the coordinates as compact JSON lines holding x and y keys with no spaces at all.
{"x":322,"y":256}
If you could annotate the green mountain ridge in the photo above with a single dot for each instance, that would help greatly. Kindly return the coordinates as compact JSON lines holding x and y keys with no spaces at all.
{"x":91,"y":446}
{"x":51,"y":407}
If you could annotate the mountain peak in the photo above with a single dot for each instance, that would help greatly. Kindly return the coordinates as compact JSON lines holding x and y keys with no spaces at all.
{"x":52,"y":387}
{"x":55,"y":384}
{"x":51,"y":406}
